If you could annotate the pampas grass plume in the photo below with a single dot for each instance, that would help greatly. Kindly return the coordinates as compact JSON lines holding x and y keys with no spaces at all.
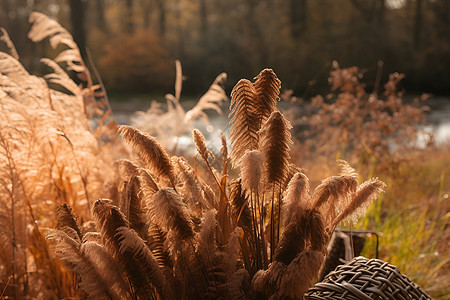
{"x":251,"y":166}
{"x":366,"y":193}
{"x":169,"y":210}
{"x":274,"y":144}
{"x":297,"y":195}
{"x":150,"y":150}
{"x":199,"y":141}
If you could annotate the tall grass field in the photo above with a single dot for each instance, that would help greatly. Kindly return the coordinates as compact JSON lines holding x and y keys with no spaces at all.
{"x":95,"y":210}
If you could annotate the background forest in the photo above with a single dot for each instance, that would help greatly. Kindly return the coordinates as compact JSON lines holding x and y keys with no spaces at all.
{"x":134,"y":43}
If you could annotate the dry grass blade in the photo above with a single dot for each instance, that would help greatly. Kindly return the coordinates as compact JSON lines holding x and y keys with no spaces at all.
{"x":365,"y":194}
{"x":178,"y":80}
{"x":210,"y":100}
{"x":109,"y":219}
{"x":157,"y":239}
{"x":240,"y":207}
{"x":4,"y":36}
{"x":126,"y":168}
{"x":333,"y":195}
{"x":68,"y":251}
{"x":131,"y":205}
{"x":244,"y":121}
{"x":150,"y":150}
{"x":199,"y":141}
{"x":130,"y":241}
{"x":275,"y":140}
{"x":334,"y":187}
{"x":101,"y":260}
{"x":44,"y":27}
{"x":148,"y":184}
{"x":224,"y":153}
{"x":346,"y":169}
{"x":267,"y":87}
{"x":191,"y":189}
{"x":65,"y":218}
{"x":60,"y":77}
{"x":11,"y":68}
{"x":170,"y":212}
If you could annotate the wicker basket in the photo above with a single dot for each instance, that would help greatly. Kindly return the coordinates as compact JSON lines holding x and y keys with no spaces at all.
{"x":340,"y":250}
{"x":364,"y":278}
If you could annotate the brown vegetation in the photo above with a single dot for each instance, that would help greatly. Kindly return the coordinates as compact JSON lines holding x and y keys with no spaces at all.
{"x":168,"y":230}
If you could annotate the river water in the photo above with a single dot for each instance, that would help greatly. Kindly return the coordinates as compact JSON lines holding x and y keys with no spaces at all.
{"x":438,"y":117}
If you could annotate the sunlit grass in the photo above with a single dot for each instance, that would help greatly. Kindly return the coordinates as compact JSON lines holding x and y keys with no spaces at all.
{"x":412,"y":219}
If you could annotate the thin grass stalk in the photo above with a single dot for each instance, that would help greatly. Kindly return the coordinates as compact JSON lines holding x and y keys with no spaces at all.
{"x":6,"y":285}
{"x":100,"y":82}
{"x":260,"y":242}
{"x":224,"y":154}
{"x":212,"y":173}
{"x":258,"y":233}
{"x":56,"y":282}
{"x":203,"y":267}
{"x":83,"y":179}
{"x":279,"y":213}
{"x":255,"y":231}
{"x":154,"y":155}
{"x":13,"y":242}
{"x":351,"y":241}
{"x":272,"y":225}
{"x":12,"y":175}
{"x":223,"y":215}
{"x":263,"y":233}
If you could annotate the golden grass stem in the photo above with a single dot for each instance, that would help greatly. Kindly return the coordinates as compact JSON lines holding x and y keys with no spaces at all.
{"x":272,"y":225}
{"x":256,"y":238}
{"x":279,"y":213}
{"x":263,"y":233}
{"x":6,"y":285}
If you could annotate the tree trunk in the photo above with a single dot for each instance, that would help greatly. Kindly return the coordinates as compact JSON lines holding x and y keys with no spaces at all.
{"x":297,"y":17}
{"x":180,"y":31}
{"x":203,"y":18}
{"x":146,"y":11}
{"x":162,"y":17}
{"x":77,"y":17}
{"x":381,"y":12}
{"x":256,"y":32}
{"x":129,"y":18}
{"x":418,"y":19}
{"x":100,"y":19}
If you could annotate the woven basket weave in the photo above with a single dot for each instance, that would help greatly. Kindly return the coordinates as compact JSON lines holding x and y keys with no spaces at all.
{"x":364,"y":278}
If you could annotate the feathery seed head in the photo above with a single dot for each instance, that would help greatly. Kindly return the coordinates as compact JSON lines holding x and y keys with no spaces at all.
{"x":275,"y":140}
{"x":251,"y":166}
